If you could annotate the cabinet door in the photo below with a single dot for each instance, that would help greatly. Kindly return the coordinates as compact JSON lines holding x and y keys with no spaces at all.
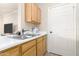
{"x":11,"y":52}
{"x":39,"y":49}
{"x":44,"y":45}
{"x":28,"y":45}
{"x":41,"y":46}
{"x":34,"y":13}
{"x":28,"y":12}
{"x":30,"y":52}
{"x":39,"y":15}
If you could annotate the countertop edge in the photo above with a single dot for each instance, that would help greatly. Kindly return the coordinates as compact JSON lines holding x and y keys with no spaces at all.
{"x":21,"y":42}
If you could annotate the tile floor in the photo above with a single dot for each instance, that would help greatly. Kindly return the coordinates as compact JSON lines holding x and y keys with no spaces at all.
{"x":51,"y":54}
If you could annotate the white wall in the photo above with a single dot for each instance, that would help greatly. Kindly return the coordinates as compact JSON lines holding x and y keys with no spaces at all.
{"x":1,"y":24}
{"x":44,"y":16}
{"x":11,"y":17}
{"x":77,"y":18}
{"x":17,"y":17}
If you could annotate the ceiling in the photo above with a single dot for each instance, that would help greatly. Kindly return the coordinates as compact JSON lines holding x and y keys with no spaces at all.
{"x":7,"y":7}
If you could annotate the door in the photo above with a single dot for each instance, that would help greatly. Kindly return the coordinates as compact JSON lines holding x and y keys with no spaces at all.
{"x":61,"y":38}
{"x":34,"y":13}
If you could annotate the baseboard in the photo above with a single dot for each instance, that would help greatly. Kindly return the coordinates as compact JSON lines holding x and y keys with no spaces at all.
{"x":56,"y":54}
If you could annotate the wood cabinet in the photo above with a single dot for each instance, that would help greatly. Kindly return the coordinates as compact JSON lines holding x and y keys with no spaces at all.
{"x":41,"y":46}
{"x":39,"y":15}
{"x":32,"y":13}
{"x":11,"y":52}
{"x":26,"y":46}
{"x":30,"y":52}
{"x":39,"y":49}
{"x":28,"y":12}
{"x":29,"y":48}
{"x":35,"y":47}
{"x":44,"y":44}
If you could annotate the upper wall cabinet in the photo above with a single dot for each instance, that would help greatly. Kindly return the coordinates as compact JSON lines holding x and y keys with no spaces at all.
{"x":32,"y":13}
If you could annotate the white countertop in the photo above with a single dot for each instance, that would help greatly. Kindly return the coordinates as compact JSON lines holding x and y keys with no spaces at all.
{"x":6,"y":42}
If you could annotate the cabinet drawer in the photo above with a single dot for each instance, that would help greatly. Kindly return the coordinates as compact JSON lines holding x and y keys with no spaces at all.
{"x":28,"y":45}
{"x":30,"y":52}
{"x":10,"y":52}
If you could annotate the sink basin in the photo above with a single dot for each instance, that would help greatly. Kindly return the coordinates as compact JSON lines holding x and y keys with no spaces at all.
{"x":21,"y":37}
{"x":26,"y":36}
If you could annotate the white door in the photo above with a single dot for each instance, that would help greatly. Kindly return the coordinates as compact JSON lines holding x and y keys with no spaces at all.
{"x":61,"y":30}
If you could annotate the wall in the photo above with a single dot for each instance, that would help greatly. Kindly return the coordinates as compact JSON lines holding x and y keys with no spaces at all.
{"x":17,"y":17}
{"x":44,"y":16}
{"x":77,"y":18}
{"x":11,"y":17}
{"x":1,"y":24}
